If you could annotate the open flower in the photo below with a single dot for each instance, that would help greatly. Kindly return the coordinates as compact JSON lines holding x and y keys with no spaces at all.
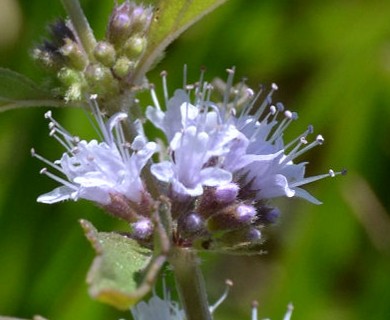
{"x":98,"y":171}
{"x":212,"y":144}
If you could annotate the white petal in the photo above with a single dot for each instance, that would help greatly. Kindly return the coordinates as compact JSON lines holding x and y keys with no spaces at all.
{"x":163,"y":171}
{"x":56,"y":195}
{"x":213,"y":177}
{"x":301,"y":193}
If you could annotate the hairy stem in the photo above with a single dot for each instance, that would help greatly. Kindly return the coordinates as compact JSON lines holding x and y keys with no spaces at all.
{"x":81,"y":26}
{"x":190,"y":284}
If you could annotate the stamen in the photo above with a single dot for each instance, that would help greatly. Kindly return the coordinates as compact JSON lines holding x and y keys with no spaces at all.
{"x":39,"y":157}
{"x":164,"y":74}
{"x":288,"y":314}
{"x":58,"y":179}
{"x":228,"y":285}
{"x":294,"y":154}
{"x":307,"y":180}
{"x":154,"y":96}
{"x":255,"y":305}
{"x":229,"y":85}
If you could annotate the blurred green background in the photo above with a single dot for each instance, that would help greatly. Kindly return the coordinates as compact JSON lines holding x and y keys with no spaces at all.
{"x":331,"y":60}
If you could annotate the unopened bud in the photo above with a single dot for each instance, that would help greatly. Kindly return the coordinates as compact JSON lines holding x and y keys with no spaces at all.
{"x":268,"y":215}
{"x":134,"y":47}
{"x":126,"y":20}
{"x":73,"y":52}
{"x":241,"y":237}
{"x":100,"y":79}
{"x":190,"y":225}
{"x":123,"y":66}
{"x":142,"y":230}
{"x":233,"y":217}
{"x":70,"y":76}
{"x":105,"y":53}
{"x":226,"y":193}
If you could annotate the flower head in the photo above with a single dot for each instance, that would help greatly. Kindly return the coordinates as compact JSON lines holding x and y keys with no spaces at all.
{"x":227,"y":159}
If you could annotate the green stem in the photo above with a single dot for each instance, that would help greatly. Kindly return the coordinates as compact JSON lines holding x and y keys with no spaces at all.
{"x":81,"y":26}
{"x":190,"y":284}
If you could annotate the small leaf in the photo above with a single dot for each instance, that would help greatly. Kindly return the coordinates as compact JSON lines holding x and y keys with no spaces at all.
{"x":16,"y":90}
{"x":171,"y":19}
{"x":118,"y":270}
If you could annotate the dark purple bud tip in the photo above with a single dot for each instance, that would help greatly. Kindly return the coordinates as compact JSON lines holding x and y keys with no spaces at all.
{"x":227,"y":193}
{"x":236,"y":238}
{"x":142,"y":230}
{"x":233,"y":217}
{"x":268,"y":215}
{"x":191,"y":224}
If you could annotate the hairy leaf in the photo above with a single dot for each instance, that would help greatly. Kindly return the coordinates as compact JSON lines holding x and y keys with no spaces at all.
{"x":118,"y":269}
{"x":171,"y":19}
{"x":16,"y":91}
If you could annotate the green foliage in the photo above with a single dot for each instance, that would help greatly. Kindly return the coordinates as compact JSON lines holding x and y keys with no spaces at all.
{"x":117,"y":271}
{"x":170,"y":20}
{"x":16,"y":90}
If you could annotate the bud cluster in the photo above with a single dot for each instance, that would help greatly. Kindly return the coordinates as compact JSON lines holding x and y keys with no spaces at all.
{"x":107,"y":70}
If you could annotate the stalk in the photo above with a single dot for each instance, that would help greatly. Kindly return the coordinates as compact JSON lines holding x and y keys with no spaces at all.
{"x":190,"y":284}
{"x":81,"y":26}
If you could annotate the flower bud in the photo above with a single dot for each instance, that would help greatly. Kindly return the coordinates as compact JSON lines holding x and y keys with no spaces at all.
{"x":134,"y":47}
{"x":123,"y":66}
{"x":268,"y":215}
{"x":105,"y":53}
{"x":70,"y":76}
{"x":74,"y":53}
{"x":226,"y":193}
{"x":191,"y":225}
{"x":59,"y":32}
{"x":128,"y":19}
{"x":241,"y":237}
{"x":142,"y":229}
{"x":233,"y":217}
{"x":100,"y":79}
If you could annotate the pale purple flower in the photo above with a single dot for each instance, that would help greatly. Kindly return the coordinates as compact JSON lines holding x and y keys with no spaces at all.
{"x":237,"y":140}
{"x":94,"y":170}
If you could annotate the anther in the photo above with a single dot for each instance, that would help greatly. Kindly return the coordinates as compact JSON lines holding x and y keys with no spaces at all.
{"x":163,"y":73}
{"x":310,"y":129}
{"x":320,"y":139}
{"x":250,"y":92}
{"x":48,"y":115}
{"x":93,"y":96}
{"x":43,"y":171}
{"x":230,"y":71}
{"x":280,"y":106}
{"x":272,"y":109}
{"x":274,"y":86}
{"x":303,"y":140}
{"x":331,"y":173}
{"x":288,"y":114}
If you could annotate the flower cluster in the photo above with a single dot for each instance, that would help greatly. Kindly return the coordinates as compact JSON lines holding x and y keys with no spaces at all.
{"x":222,"y":164}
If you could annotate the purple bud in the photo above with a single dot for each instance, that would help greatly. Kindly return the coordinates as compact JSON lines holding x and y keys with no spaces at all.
{"x":242,"y":237}
{"x":190,"y":225}
{"x":142,"y":230}
{"x":232,"y":217}
{"x":268,"y":215}
{"x":226,"y":193}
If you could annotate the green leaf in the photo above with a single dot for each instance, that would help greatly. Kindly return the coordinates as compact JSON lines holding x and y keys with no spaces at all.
{"x":117,"y":273}
{"x":16,"y":90}
{"x":171,"y":19}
